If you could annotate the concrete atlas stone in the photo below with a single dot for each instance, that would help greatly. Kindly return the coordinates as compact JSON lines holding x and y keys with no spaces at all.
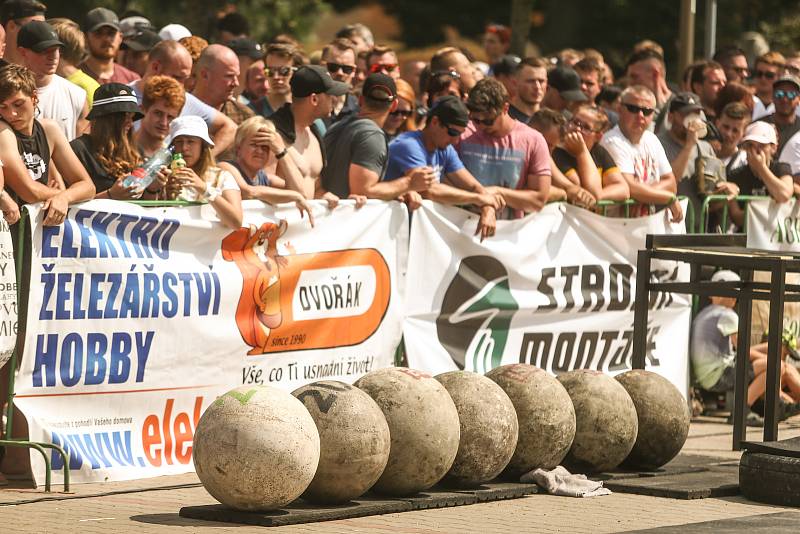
{"x":354,"y":440}
{"x":256,"y":448}
{"x":488,"y":428}
{"x":423,"y":425}
{"x":606,"y":422}
{"x":545,"y":415}
{"x":663,"y":416}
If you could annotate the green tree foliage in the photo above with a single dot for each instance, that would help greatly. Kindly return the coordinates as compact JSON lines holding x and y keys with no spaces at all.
{"x":267,"y":17}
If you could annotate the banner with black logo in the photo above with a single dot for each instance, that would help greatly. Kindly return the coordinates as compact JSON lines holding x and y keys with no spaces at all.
{"x":554,"y":289}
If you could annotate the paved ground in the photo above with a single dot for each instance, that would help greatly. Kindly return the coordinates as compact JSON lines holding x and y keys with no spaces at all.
{"x":152,"y":506}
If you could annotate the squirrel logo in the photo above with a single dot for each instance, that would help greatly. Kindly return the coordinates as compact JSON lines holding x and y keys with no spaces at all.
{"x":255,"y":252}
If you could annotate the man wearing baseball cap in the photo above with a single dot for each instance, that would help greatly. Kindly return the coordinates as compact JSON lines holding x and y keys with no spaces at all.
{"x":563,"y":90}
{"x":683,"y":141}
{"x":764,"y":174}
{"x":300,"y":121}
{"x":358,"y":152}
{"x":59,"y":100}
{"x":103,"y":39}
{"x":786,"y":98}
{"x":135,"y":49}
{"x":430,"y":150}
{"x":248,"y":52}
{"x":14,"y":14}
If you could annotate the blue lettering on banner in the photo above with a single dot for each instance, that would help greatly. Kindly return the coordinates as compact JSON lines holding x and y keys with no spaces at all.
{"x":96,"y":234}
{"x":106,"y":449}
{"x":74,"y":360}
{"x":68,"y":296}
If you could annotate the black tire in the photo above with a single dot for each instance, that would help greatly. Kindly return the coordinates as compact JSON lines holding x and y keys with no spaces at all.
{"x":770,"y":478}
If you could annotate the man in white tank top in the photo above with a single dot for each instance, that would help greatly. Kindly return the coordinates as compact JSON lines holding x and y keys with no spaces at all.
{"x":59,"y":100}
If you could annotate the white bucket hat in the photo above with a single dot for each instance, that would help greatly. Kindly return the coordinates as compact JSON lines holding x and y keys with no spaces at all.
{"x":189,"y":125}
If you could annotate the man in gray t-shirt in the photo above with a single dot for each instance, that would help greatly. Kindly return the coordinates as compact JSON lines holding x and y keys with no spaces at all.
{"x":357,"y":149}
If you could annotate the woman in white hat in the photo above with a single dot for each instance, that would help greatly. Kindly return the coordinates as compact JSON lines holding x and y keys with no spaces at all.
{"x":201,"y":180}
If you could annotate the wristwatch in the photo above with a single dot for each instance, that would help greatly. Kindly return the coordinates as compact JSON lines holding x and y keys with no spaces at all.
{"x":282,"y":153}
{"x":211,"y":193}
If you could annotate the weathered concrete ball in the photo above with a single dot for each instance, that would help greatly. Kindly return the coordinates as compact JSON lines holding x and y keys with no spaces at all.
{"x":545,"y":414}
{"x":489,"y":428}
{"x":256,"y":448}
{"x":606,"y":421}
{"x":423,"y":425}
{"x":354,"y":440}
{"x":663,"y":418}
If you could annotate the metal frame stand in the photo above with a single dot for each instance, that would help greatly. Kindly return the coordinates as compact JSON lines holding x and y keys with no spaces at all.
{"x":724,"y":251}
{"x":22,"y":292}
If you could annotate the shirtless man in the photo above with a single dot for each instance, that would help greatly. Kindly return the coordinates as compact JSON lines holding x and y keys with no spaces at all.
{"x":298,"y":122}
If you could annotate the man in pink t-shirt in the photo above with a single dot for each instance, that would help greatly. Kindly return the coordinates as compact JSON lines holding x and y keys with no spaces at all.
{"x":506,"y":156}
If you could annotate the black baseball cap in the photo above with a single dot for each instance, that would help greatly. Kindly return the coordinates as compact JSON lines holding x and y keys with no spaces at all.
{"x":246,"y":47}
{"x":567,"y":82}
{"x":379,"y":87}
{"x":99,"y":17}
{"x":685,"y":102}
{"x":20,"y":9}
{"x":142,"y":41}
{"x":112,"y":98}
{"x":507,"y":65}
{"x":37,"y":35}
{"x":313,"y":79}
{"x":788,"y":78}
{"x":450,"y":110}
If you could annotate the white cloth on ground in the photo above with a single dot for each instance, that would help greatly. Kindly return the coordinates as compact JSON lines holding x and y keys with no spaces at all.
{"x":559,"y":481}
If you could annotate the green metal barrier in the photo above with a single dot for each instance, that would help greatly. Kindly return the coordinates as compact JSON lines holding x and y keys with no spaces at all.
{"x":22,"y":292}
{"x":705,"y":213}
{"x":604,"y":205}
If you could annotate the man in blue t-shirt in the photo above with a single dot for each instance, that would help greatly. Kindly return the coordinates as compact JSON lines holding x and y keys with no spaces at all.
{"x":431,"y":150}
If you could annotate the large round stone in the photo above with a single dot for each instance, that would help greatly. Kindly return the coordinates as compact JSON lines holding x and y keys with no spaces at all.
{"x":488,"y":428}
{"x":606,"y":421}
{"x":545,"y":414}
{"x":354,"y":440}
{"x":256,"y":448}
{"x":423,"y":424}
{"x":663,"y":416}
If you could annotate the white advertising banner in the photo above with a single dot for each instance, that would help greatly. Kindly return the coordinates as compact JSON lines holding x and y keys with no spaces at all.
{"x":8,"y":295}
{"x":140,"y":317}
{"x":773,"y":226}
{"x":555,"y":289}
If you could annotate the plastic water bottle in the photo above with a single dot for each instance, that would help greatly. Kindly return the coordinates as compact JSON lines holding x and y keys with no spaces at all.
{"x":144,"y":175}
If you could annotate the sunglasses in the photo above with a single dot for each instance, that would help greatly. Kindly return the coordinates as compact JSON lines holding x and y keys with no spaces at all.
{"x":333,"y":68}
{"x":767,"y":74}
{"x":405,"y":113}
{"x":742,"y":71}
{"x":452,"y":73}
{"x":279,"y":71}
{"x":452,"y":132}
{"x":789,"y":95}
{"x":383,"y":67}
{"x":632,"y":108}
{"x":485,"y":122}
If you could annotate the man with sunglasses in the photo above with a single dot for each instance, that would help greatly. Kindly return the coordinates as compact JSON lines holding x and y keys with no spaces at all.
{"x":431,"y":150}
{"x":734,"y":63}
{"x":383,"y":59}
{"x":768,"y":68}
{"x":785,"y":100}
{"x":506,"y":156}
{"x":639,"y":155}
{"x":279,"y":61}
{"x":339,"y":57}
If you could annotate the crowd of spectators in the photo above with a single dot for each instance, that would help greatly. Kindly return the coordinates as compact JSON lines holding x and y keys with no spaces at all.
{"x":87,"y":101}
